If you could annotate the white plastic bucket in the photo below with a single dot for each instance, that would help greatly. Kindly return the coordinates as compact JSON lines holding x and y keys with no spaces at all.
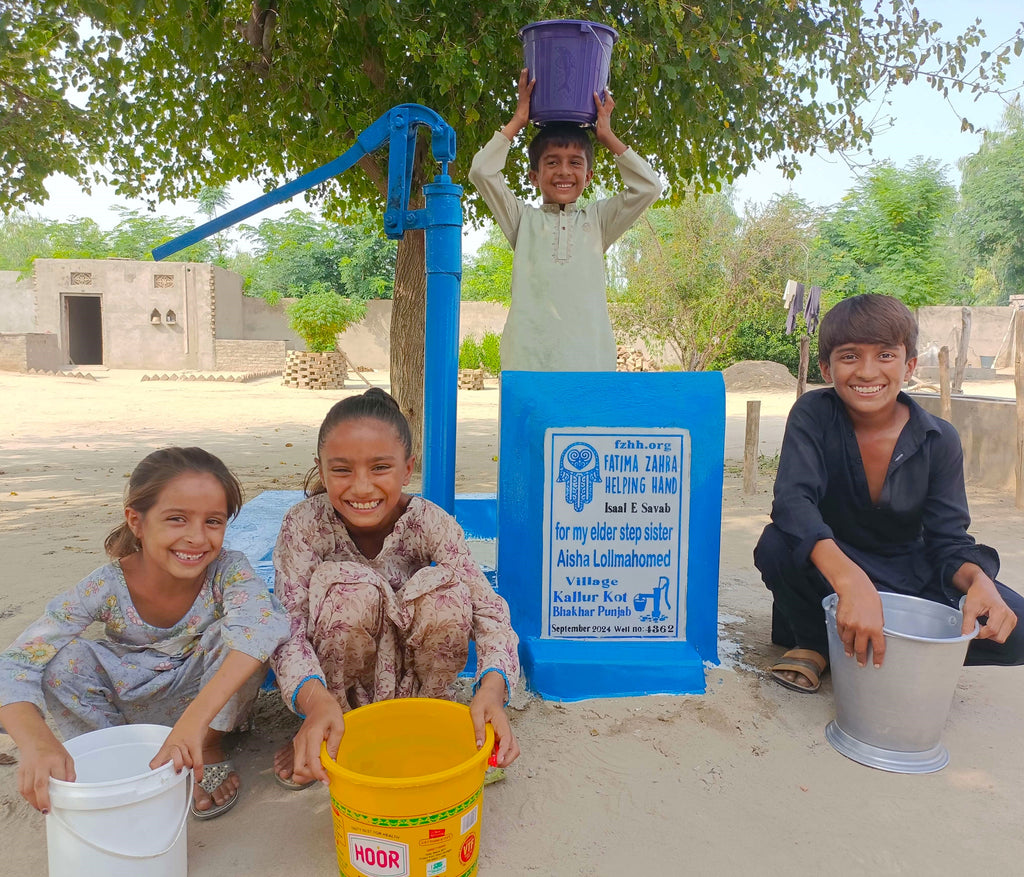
{"x":119,"y":818}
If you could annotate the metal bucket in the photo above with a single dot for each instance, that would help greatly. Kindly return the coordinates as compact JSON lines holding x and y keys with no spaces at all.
{"x":892,"y":717}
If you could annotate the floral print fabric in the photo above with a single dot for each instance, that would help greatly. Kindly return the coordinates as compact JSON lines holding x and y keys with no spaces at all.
{"x":140,"y":672}
{"x":396,"y":625}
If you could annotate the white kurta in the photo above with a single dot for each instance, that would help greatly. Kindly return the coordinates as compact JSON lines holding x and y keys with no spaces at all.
{"x":558,"y":320}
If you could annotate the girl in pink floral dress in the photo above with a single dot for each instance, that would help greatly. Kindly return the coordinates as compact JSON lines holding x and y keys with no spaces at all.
{"x":383,"y":593}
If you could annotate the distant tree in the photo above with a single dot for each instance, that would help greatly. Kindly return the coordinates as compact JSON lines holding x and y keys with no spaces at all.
{"x":991,"y":217}
{"x":487,"y":274}
{"x":136,"y":233}
{"x":211,"y":200}
{"x":696,"y":272}
{"x":320,"y":315}
{"x":25,"y":238}
{"x":299,"y":250}
{"x":891,"y":235}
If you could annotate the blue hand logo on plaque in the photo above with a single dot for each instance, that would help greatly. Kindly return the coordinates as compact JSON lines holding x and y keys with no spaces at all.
{"x":579,"y":468}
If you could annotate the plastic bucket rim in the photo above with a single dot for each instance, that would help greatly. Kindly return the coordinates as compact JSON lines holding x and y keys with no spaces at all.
{"x":577,"y":21}
{"x":105,"y":792}
{"x":829,"y":604}
{"x":428,"y":779}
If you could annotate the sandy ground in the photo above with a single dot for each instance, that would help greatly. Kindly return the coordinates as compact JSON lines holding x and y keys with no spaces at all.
{"x":737,"y":781}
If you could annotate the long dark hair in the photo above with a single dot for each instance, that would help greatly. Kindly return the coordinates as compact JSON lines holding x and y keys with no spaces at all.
{"x":374,"y":404}
{"x":152,"y":475}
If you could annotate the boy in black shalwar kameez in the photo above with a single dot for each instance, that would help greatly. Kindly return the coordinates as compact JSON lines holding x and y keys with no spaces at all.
{"x":870,"y":497}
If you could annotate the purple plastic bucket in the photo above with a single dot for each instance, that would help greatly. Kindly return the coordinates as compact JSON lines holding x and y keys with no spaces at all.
{"x":570,"y":61}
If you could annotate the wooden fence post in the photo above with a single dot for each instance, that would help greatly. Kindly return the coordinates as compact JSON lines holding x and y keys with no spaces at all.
{"x":961,"y":350}
{"x":946,"y":412}
{"x":1018,"y":383}
{"x":805,"y":355}
{"x":750,"y":446}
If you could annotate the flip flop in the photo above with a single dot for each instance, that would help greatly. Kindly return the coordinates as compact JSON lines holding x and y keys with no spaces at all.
{"x":494,"y":775}
{"x":807,"y":662}
{"x":291,"y":785}
{"x":213,"y":775}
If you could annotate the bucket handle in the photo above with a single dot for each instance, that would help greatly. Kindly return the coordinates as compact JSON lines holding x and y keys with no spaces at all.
{"x":181,"y":827}
{"x":587,"y":26}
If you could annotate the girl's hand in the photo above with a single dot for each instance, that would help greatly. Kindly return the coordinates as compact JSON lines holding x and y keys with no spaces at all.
{"x":42,"y":755}
{"x":38,"y":763}
{"x":325,"y":721}
{"x":488,"y":706}
{"x":184,"y":745}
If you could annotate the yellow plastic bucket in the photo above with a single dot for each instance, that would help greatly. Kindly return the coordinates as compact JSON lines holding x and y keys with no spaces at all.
{"x":407,"y":790}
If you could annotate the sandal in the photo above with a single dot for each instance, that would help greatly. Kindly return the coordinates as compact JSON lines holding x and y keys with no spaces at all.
{"x":213,"y":776}
{"x":291,"y":785}
{"x":807,"y":662}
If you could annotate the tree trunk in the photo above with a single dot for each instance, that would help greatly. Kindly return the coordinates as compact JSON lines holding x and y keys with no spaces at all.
{"x":408,"y":325}
{"x":409,"y":305}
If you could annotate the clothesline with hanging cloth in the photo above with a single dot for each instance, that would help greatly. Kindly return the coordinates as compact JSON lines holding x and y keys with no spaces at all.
{"x":793,"y":299}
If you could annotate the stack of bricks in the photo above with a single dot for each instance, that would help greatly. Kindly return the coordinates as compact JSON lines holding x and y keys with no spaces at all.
{"x":471,"y":379}
{"x":315,"y":371}
{"x":629,"y":359}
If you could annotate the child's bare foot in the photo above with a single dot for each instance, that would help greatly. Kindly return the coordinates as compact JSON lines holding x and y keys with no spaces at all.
{"x":284,"y":769}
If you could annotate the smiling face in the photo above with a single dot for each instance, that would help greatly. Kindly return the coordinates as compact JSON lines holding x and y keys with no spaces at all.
{"x":183,"y":531}
{"x":562,"y":174}
{"x":363,"y":466}
{"x":868,"y":377}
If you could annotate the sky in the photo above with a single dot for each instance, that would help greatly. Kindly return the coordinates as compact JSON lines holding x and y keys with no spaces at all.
{"x":923,"y":123}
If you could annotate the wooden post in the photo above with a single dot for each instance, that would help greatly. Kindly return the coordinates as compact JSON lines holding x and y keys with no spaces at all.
{"x":961,"y":350}
{"x":750,"y":446}
{"x":946,"y":412}
{"x":1018,"y":383}
{"x":801,"y":378}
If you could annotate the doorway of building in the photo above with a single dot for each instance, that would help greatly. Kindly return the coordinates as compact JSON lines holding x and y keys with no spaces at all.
{"x":84,"y":329}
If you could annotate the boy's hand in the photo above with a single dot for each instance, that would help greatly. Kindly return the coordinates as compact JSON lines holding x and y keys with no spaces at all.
{"x":983,"y":600}
{"x":859,"y":613}
{"x":603,"y":126}
{"x":859,"y":622}
{"x":488,"y":706}
{"x":521,"y":117}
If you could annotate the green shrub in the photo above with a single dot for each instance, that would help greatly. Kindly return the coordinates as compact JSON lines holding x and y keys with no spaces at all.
{"x":481,"y":354}
{"x":490,"y":352}
{"x":470,"y":355}
{"x":765,"y":340}
{"x":321,"y":314}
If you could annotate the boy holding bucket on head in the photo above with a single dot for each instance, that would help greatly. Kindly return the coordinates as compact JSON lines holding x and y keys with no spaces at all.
{"x":870,"y":497}
{"x":558,"y":320}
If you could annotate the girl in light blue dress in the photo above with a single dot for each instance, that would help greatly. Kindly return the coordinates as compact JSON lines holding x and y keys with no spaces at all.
{"x":189,"y":629}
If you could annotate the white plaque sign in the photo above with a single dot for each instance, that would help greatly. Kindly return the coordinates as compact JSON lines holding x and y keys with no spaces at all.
{"x":616,"y":519}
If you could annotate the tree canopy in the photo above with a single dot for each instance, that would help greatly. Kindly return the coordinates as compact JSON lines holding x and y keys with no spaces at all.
{"x":175,"y":95}
{"x":293,"y":253}
{"x":991,"y":217}
{"x":891,"y":235}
